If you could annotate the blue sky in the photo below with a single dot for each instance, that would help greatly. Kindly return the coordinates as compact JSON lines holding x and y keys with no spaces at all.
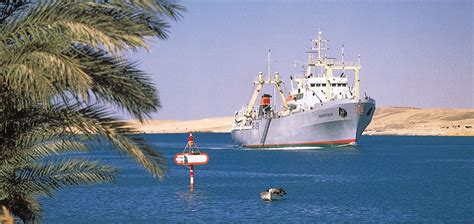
{"x":414,"y":53}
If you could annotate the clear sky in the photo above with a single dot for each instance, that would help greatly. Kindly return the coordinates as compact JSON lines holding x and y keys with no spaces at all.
{"x":414,"y":53}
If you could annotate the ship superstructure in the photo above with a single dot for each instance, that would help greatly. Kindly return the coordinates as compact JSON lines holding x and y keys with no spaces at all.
{"x":322,"y":108}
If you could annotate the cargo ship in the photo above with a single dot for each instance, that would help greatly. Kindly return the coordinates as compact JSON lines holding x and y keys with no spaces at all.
{"x":323,"y":108}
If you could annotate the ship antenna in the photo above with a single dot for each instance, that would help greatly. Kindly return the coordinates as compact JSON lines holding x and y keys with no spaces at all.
{"x":320,"y":48}
{"x":314,"y":46}
{"x":342,"y":54}
{"x":269,"y":60}
{"x":342,"y":58}
{"x":318,"y":44}
{"x":268,"y":64}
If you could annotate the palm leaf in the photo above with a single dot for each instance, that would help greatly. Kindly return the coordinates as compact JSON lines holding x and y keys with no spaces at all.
{"x":92,"y":122}
{"x":44,"y":178}
{"x":118,"y":81}
{"x":29,"y":181}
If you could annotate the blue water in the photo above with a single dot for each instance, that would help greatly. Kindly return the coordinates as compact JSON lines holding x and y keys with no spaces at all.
{"x":383,"y":179}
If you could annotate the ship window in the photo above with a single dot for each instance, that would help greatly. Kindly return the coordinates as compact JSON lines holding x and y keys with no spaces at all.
{"x":298,"y":96}
{"x":343,"y":84}
{"x":339,"y":85}
{"x":334,"y":85}
{"x":312,"y":84}
{"x":324,"y":84}
{"x":318,"y":85}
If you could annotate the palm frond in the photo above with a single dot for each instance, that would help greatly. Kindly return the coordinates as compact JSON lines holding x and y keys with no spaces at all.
{"x":168,"y":8}
{"x":29,"y":151}
{"x":26,"y":182}
{"x":44,"y":178}
{"x":114,"y":26}
{"x":118,"y":81}
{"x":93,"y":122}
{"x":36,"y":74}
{"x":57,"y":147}
{"x":38,"y":62}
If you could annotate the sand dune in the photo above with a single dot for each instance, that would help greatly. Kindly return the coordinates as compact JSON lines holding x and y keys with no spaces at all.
{"x":416,"y":121}
{"x":217,"y":124}
{"x":387,"y":121}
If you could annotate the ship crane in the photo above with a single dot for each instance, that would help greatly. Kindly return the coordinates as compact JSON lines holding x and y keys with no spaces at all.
{"x":276,"y":81}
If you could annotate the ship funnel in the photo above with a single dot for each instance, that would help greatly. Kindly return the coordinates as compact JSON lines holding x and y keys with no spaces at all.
{"x":265,"y":106}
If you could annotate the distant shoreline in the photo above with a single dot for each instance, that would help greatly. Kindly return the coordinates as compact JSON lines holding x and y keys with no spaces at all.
{"x":397,"y":121}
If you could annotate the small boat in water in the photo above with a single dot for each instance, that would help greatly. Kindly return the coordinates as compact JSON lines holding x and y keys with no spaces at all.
{"x":273,"y":194}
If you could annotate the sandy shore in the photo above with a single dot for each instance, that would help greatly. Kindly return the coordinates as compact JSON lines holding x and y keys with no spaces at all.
{"x":216,"y":124}
{"x":416,"y":121}
{"x":386,"y":121}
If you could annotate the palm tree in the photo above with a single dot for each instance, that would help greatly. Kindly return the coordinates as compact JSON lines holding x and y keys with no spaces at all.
{"x":61,"y":70}
{"x":25,"y":174}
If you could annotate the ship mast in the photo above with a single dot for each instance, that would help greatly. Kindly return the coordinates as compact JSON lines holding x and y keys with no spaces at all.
{"x":318,"y":45}
{"x":268,"y":65}
{"x":277,"y":85}
{"x":328,"y":65}
{"x":269,"y":73}
{"x":323,"y":63}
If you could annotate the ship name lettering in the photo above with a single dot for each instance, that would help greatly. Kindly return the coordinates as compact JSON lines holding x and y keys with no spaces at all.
{"x":255,"y":125}
{"x":325,"y":115}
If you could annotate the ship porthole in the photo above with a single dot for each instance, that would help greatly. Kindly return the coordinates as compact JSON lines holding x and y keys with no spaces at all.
{"x":342,"y":112}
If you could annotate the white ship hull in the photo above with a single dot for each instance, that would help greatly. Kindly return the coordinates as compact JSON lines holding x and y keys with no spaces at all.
{"x":324,"y":125}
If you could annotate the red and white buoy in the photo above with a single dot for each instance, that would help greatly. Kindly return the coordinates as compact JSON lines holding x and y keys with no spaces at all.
{"x":191,"y":177}
{"x":191,"y":156}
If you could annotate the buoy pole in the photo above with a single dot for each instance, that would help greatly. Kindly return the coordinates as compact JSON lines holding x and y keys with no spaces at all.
{"x":191,"y":177}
